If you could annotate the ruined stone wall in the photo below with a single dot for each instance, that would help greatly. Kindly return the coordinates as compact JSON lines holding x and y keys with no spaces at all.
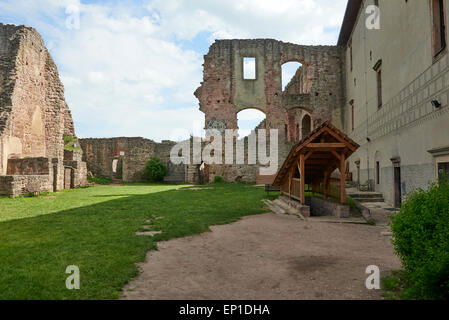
{"x":224,"y":92}
{"x":132,"y":152}
{"x":300,"y":83}
{"x":33,"y":113}
{"x":17,"y":185}
{"x":29,"y":166}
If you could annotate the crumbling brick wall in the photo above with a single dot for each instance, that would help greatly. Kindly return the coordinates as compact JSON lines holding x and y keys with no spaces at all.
{"x":316,"y":88}
{"x":29,"y":166}
{"x":33,"y":113}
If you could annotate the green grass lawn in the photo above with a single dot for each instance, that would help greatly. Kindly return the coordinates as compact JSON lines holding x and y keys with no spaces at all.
{"x":95,"y":228}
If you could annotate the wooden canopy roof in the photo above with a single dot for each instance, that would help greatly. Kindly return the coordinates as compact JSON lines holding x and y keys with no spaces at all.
{"x":323,"y":151}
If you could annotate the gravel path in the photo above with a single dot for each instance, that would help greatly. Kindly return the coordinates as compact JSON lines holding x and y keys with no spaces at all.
{"x":266,"y":257}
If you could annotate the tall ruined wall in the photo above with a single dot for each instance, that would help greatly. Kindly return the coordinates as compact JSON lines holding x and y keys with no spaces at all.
{"x":316,"y":89}
{"x":132,"y":153}
{"x":224,"y":92}
{"x":33,"y":113}
{"x":300,"y":83}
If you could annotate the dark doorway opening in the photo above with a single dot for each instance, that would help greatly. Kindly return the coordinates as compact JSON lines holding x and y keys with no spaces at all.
{"x":306,"y":125}
{"x":397,"y":183}
{"x":377,"y":172}
{"x":443,"y":171}
{"x":117,"y":168}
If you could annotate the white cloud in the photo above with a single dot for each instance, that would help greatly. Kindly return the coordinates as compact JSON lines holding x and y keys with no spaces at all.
{"x":125,"y":70}
{"x":248,"y":120}
{"x":298,"y":21}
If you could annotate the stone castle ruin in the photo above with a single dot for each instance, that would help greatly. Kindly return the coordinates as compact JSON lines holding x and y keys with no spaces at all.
{"x":313,"y":96}
{"x":35,"y":120}
{"x":124,"y":158}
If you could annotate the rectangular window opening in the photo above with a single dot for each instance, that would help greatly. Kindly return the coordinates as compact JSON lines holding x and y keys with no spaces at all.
{"x":443,"y":171}
{"x":438,"y":26}
{"x":352,"y":115}
{"x":249,"y":68}
{"x":378,"y":69}
{"x":378,"y":172}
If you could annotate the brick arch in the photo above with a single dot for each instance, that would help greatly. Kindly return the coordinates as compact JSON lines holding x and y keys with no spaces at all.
{"x":238,"y":110}
{"x":294,"y":122}
{"x":224,"y":92}
{"x":307,"y":125}
{"x":254,"y":108}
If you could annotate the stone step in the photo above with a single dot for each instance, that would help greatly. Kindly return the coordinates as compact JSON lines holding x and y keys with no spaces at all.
{"x":274,"y":208}
{"x":370,"y":199}
{"x":366,"y":195}
{"x":285,"y":206}
{"x":293,"y":207}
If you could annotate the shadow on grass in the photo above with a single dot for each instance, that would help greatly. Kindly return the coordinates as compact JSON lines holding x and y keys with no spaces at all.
{"x":100,"y":239}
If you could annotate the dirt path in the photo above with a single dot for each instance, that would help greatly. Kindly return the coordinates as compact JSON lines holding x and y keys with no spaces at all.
{"x":266,"y":257}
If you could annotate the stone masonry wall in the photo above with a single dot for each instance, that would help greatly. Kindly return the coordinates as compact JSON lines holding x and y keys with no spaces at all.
{"x":33,"y":113}
{"x":132,"y":152}
{"x":29,"y":166}
{"x":317,"y":88}
{"x":17,"y":185}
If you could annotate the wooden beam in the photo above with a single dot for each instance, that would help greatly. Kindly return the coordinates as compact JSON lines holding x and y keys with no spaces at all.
{"x":290,"y":183}
{"x":327,"y":145}
{"x":316,"y":155}
{"x":308,"y":155}
{"x":317,"y":161}
{"x":326,"y":184}
{"x":338,"y":156}
{"x":342,"y":180}
{"x":350,"y":146}
{"x":303,"y":176}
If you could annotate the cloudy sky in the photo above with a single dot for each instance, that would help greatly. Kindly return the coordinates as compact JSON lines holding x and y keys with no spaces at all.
{"x":130,"y":67}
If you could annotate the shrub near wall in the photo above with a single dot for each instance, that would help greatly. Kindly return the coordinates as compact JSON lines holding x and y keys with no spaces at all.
{"x":155,"y":170}
{"x":421,"y":239}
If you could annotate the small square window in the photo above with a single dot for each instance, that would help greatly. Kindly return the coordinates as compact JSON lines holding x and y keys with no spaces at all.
{"x":249,"y":68}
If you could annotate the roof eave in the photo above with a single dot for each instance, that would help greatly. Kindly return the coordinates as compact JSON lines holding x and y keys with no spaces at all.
{"x":349,"y":21}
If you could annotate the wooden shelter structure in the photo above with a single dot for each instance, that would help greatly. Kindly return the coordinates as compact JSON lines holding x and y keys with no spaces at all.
{"x":312,"y":161}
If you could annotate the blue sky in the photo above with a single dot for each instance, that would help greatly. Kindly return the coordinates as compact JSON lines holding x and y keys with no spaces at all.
{"x":130,"y":67}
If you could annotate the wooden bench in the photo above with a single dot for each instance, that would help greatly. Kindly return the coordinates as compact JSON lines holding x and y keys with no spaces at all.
{"x":269,"y":188}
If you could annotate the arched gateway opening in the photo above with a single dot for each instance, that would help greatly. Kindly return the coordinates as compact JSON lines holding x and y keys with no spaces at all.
{"x":299,"y":124}
{"x":249,"y":120}
{"x":306,"y":125}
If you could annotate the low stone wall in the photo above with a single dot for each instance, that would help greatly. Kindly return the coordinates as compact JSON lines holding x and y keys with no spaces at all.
{"x":320,"y":207}
{"x":14,"y":186}
{"x":133,"y":153}
{"x":29,"y":166}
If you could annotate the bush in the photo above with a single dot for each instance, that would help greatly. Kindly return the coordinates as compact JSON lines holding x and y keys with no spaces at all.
{"x":100,"y":180}
{"x":155,"y":170}
{"x":421,"y":239}
{"x":218,"y":179}
{"x":71,"y":143}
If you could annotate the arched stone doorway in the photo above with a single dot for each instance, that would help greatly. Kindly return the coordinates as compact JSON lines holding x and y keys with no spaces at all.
{"x":306,"y":125}
{"x":299,"y":124}
{"x":250,"y":119}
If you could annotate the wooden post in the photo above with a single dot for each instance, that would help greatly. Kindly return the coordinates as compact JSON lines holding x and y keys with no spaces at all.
{"x":290,"y":184}
{"x":326,"y":184}
{"x":342,"y":179}
{"x":303,"y":176}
